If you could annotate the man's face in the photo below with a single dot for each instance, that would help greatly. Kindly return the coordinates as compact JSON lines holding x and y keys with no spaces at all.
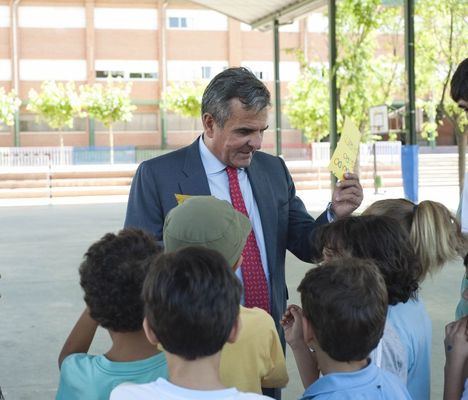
{"x":242,"y":135}
{"x":463,"y":104}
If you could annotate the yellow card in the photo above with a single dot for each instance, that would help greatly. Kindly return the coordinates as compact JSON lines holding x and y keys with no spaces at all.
{"x":346,"y":152}
{"x":181,"y":197}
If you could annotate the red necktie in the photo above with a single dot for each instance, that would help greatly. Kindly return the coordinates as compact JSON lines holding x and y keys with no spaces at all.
{"x":253,"y":275}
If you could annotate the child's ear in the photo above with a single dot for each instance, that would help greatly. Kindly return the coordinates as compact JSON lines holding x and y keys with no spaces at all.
{"x":235,"y":330}
{"x":309,"y":334}
{"x":150,"y":335}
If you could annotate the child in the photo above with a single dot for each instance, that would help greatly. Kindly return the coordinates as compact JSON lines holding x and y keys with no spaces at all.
{"x":255,"y":359}
{"x":344,"y":309}
{"x":192,"y":308}
{"x":456,"y":360}
{"x":462,"y":307}
{"x":434,"y":232}
{"x":385,"y":242}
{"x":112,"y":276}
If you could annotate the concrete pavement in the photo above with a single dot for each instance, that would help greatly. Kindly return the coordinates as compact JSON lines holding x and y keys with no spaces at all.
{"x":41,"y":248}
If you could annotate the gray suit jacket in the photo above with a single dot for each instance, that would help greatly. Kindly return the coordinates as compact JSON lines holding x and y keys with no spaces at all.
{"x":285,"y":221}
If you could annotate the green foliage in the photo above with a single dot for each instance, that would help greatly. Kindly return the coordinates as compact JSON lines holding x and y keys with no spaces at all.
{"x":439,"y":48}
{"x":57,"y":104}
{"x":184,"y":99}
{"x":308,"y":104}
{"x":9,"y":105}
{"x":365,"y":77}
{"x":108,"y":103}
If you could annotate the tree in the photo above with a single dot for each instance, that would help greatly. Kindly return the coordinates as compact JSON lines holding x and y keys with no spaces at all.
{"x":308,"y":103}
{"x":108,"y":103}
{"x":439,"y":48}
{"x":184,"y":99}
{"x":57,"y":104}
{"x":9,"y":105}
{"x":364,"y":77}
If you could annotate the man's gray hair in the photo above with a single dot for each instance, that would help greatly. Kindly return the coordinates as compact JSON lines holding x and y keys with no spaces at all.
{"x":234,"y":83}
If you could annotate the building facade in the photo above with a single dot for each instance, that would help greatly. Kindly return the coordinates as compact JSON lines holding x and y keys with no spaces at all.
{"x":151,"y":44}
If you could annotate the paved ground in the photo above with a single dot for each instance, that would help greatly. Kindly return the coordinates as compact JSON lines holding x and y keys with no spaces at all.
{"x":41,"y":248}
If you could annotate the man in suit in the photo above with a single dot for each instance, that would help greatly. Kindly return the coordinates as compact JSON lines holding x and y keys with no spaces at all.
{"x":224,"y":162}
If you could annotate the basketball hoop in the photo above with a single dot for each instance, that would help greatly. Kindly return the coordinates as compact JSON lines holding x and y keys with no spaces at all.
{"x":378,"y":117}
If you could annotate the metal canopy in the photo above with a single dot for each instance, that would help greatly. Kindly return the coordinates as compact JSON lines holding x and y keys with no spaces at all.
{"x":261,"y":13}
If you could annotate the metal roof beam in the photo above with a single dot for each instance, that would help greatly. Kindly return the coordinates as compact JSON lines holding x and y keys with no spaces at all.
{"x":287,"y":14}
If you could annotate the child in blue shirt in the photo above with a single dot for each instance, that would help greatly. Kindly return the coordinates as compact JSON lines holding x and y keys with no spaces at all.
{"x":111,"y":275}
{"x":344,"y":307}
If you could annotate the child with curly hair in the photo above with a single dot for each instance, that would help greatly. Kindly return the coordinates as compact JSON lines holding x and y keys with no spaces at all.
{"x":111,"y":275}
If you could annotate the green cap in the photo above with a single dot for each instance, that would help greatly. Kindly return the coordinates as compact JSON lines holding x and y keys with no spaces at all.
{"x":208,"y":222}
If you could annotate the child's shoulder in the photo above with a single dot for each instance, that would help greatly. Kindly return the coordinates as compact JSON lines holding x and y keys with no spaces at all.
{"x":79,"y":361}
{"x":256,"y":316}
{"x":367,"y":384}
{"x":129,"y":390}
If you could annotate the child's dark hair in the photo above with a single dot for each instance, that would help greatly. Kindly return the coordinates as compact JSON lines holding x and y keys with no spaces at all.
{"x":382,"y":240}
{"x":459,"y":82}
{"x":345,"y":301}
{"x":191,"y":301}
{"x":112,"y":275}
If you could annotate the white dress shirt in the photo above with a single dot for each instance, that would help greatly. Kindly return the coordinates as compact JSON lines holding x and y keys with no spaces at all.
{"x":219,"y":188}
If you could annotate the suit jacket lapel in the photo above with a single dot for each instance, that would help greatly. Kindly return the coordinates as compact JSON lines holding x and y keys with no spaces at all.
{"x":264,"y":196}
{"x":196,"y":182}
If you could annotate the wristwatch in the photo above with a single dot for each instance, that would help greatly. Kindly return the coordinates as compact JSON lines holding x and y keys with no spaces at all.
{"x":330,"y":213}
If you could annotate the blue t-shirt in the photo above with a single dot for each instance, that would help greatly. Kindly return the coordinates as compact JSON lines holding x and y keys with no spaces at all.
{"x":83,"y":376}
{"x":462,"y":307}
{"x":369,"y":383}
{"x":414,"y":326}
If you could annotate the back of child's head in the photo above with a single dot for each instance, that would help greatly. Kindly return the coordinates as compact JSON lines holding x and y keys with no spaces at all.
{"x":459,"y":82}
{"x":207,"y":222}
{"x":112,"y":275}
{"x":434,"y":232}
{"x":380,"y":239}
{"x":192,"y":301}
{"x":345,"y":301}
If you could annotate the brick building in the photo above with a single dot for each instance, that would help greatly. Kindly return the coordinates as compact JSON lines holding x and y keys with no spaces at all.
{"x":147,"y":42}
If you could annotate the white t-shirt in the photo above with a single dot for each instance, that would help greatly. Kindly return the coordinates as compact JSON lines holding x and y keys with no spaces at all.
{"x":161,"y":389}
{"x":390,"y":354}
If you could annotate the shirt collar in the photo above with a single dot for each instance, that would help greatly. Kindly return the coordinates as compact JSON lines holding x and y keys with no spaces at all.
{"x":342,"y":380}
{"x":210,"y":162}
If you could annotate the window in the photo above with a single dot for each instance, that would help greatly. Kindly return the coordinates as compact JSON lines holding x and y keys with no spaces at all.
{"x":193,"y":70}
{"x":59,"y":70}
{"x":126,"y":18}
{"x":197,"y":20}
{"x":127,"y":69}
{"x":177,"y":22}
{"x":258,"y":74}
{"x":51,"y":17}
{"x":261,"y":69}
{"x":106,"y":74}
{"x":5,"y":69}
{"x":4,"y":16}
{"x":150,"y":75}
{"x":125,"y":75}
{"x":206,"y":72}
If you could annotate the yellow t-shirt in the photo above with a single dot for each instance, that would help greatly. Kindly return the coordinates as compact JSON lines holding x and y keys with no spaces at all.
{"x":256,"y":358}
